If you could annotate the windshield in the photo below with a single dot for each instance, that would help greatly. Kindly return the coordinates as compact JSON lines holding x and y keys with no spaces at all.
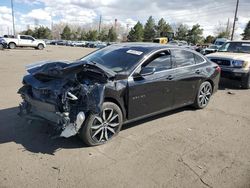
{"x":236,"y":47}
{"x":119,"y":59}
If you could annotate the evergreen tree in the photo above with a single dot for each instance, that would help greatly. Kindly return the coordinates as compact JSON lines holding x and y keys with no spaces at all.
{"x":112,"y":36}
{"x":103,"y":36}
{"x":42,"y":33}
{"x":149,"y":30}
{"x":181,"y":33}
{"x":195,"y":34}
{"x":92,"y":35}
{"x":163,"y":28}
{"x":66,"y":34}
{"x":136,"y":33}
{"x":246,"y":34}
{"x":209,"y":39}
{"x":28,"y":32}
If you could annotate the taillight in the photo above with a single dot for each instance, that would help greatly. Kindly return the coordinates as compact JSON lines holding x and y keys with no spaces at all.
{"x":218,"y":69}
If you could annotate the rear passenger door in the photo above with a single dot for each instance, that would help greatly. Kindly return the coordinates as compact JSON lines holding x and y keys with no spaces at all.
{"x":187,"y":76}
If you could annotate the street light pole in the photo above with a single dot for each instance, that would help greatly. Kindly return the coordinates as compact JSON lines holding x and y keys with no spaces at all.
{"x":13,"y":18}
{"x":235,"y":19}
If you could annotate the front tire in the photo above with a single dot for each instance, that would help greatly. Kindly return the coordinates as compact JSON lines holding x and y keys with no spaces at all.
{"x":203,"y":95}
{"x":40,"y":47}
{"x":99,"y":129}
{"x":246,"y":82}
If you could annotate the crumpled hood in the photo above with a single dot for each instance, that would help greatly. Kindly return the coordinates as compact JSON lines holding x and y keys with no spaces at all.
{"x":59,"y":69}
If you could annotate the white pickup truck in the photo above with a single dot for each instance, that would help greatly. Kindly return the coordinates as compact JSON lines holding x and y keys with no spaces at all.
{"x":24,"y":41}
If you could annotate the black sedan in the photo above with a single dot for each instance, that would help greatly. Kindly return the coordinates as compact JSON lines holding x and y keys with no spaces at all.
{"x":94,"y":96}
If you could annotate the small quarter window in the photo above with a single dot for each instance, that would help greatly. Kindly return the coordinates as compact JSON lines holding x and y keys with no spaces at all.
{"x":198,"y":59}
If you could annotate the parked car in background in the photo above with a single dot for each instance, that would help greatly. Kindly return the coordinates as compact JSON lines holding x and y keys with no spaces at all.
{"x":95,"y":96}
{"x":234,"y":60}
{"x":161,"y":40}
{"x":220,"y":41}
{"x":78,"y":43}
{"x":211,"y":49}
{"x":3,"y":44}
{"x":25,"y":41}
{"x":62,"y":42}
{"x":179,"y":43}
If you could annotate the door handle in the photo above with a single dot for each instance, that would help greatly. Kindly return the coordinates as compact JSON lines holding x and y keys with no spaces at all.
{"x":170,"y":77}
{"x":198,"y":71}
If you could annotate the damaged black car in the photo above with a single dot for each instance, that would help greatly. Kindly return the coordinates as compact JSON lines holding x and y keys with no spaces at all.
{"x":94,"y":96}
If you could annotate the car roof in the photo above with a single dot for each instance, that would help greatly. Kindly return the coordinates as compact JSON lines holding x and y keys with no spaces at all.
{"x":146,"y":45}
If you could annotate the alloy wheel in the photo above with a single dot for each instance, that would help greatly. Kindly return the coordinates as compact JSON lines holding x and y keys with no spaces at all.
{"x":105,"y":126}
{"x":205,"y":94}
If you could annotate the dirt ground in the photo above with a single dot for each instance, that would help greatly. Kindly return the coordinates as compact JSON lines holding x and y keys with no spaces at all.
{"x":182,"y":148}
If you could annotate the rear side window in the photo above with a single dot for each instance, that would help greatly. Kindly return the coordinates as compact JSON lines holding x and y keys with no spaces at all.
{"x":183,"y":58}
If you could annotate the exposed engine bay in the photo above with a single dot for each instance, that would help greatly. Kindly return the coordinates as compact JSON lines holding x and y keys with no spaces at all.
{"x":63,"y":94}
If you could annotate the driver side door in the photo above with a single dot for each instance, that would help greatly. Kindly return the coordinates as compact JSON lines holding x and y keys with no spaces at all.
{"x":153,"y":92}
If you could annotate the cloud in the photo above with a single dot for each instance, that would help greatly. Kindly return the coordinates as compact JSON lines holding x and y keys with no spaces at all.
{"x":5,"y":19}
{"x":86,"y":12}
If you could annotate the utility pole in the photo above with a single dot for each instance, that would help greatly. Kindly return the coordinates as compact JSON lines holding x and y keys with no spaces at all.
{"x":235,"y":19}
{"x":13,"y":18}
{"x":100,"y":22}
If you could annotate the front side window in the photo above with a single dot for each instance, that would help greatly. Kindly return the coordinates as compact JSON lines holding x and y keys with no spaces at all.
{"x":183,"y":58}
{"x":160,"y":61}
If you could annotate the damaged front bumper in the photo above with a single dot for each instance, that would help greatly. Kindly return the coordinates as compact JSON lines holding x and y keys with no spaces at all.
{"x":32,"y":109}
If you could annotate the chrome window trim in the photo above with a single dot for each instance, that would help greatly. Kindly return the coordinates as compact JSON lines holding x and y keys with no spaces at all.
{"x":130,"y":77}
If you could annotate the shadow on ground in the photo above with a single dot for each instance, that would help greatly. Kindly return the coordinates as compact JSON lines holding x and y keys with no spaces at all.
{"x":229,"y":84}
{"x":36,"y":137}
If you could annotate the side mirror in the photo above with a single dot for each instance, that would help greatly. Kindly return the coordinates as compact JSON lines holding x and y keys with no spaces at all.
{"x":147,"y":71}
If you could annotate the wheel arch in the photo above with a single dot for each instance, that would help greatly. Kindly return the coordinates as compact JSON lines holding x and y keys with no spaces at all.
{"x":211,"y":82}
{"x":115,"y":101}
{"x":11,"y":42}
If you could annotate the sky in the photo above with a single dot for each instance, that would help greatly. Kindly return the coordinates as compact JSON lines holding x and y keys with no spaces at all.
{"x":210,"y":14}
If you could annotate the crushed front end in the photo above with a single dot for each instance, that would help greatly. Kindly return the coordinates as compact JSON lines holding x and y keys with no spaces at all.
{"x":61,"y":94}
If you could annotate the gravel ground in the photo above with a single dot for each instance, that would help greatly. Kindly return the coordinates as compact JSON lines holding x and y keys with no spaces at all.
{"x":182,"y":148}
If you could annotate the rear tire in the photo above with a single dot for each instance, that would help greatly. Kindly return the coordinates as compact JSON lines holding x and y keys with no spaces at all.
{"x":99,"y":129}
{"x":246,"y":82}
{"x":203,"y":95}
{"x":12,"y":45}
